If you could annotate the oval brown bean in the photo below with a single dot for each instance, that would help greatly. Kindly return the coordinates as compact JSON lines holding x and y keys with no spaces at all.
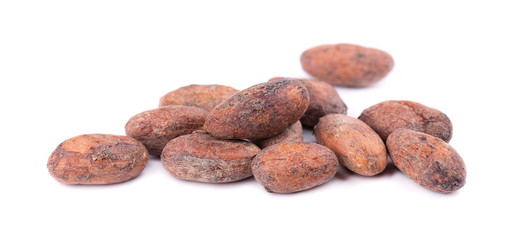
{"x":259,"y":112}
{"x":97,"y":159}
{"x":156,"y":127}
{"x":202,"y":96}
{"x":347,"y":64}
{"x":427,"y":160}
{"x":357,"y":146}
{"x":293,"y":167}
{"x":203,"y":158}
{"x":385,"y":117}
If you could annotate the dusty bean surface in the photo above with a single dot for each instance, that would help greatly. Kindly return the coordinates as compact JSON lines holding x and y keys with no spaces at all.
{"x":156,"y":127}
{"x":259,"y":112}
{"x":97,"y":159}
{"x":293,"y":167}
{"x":387,"y":116}
{"x":347,"y":65}
{"x":427,"y":160}
{"x":201,"y":157}
{"x":293,"y":133}
{"x":201,"y":96}
{"x":357,"y":146}
{"x":323,"y":100}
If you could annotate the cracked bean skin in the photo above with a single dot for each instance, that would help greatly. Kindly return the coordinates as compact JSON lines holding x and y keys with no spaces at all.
{"x":427,"y":160}
{"x":357,"y":146}
{"x":323,"y":100}
{"x":259,"y":112}
{"x":201,"y":157}
{"x":155,"y":128}
{"x":347,"y":65}
{"x":293,"y":167}
{"x":293,"y":133}
{"x":195,"y":95}
{"x":387,"y":116}
{"x":97,"y":159}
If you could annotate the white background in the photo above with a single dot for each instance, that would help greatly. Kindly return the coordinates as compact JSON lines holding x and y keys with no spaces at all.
{"x":75,"y":67}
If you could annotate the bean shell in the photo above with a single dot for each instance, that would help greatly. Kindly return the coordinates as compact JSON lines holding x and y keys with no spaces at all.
{"x":385,"y":117}
{"x":427,"y":160}
{"x":195,"y":95}
{"x":97,"y":159}
{"x":347,"y":65}
{"x":293,"y":167}
{"x":259,"y":112}
{"x":201,"y":157}
{"x":293,"y":133}
{"x":156,"y":127}
{"x":357,"y":146}
{"x":323,"y":100}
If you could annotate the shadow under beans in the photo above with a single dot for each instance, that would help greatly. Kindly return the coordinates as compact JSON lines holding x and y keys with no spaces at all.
{"x":389,"y":171}
{"x":344,"y":174}
{"x":101,"y":185}
{"x":246,"y":181}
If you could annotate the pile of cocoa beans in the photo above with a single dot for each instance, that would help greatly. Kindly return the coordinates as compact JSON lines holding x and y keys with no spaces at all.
{"x":218,"y":134}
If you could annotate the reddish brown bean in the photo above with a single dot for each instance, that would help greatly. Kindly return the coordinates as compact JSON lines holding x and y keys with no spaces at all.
{"x":203,"y":158}
{"x":293,"y":167}
{"x":347,"y":64}
{"x":385,"y":117}
{"x":201,"y":96}
{"x":156,"y":127}
{"x":261,"y":111}
{"x":357,"y":146}
{"x":427,"y":160}
{"x":97,"y":159}
{"x":323,"y":100}
{"x":293,"y":133}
